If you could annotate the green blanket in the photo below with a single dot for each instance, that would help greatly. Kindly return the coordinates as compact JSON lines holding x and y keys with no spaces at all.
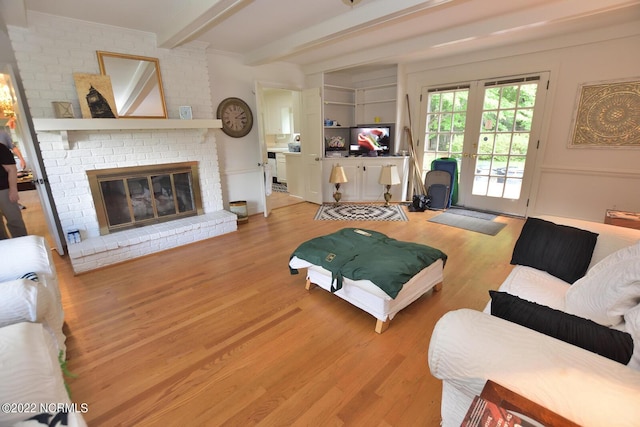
{"x":360,"y":254}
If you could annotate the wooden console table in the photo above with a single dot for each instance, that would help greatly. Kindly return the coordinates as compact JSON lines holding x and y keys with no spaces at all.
{"x":622,"y":218}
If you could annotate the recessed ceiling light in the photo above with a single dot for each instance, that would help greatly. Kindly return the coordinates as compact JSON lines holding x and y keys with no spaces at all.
{"x":351,"y":2}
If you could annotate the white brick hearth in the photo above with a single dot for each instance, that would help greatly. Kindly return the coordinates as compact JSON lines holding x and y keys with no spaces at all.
{"x":101,"y":251}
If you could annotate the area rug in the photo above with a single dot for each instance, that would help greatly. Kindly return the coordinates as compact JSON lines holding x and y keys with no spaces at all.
{"x":475,"y":214}
{"x":360,"y":212}
{"x":279,"y":187}
{"x":467,"y":222}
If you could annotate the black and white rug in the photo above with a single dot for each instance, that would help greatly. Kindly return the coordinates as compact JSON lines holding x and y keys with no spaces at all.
{"x":279,"y":187}
{"x":360,"y":212}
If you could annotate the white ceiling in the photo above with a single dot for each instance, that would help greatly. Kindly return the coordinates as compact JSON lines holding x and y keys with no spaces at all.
{"x":322,"y":35}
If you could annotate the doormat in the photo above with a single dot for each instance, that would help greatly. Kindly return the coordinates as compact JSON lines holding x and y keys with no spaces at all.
{"x":472,"y":213}
{"x":470,"y":223}
{"x":360,"y":212}
{"x":279,"y":187}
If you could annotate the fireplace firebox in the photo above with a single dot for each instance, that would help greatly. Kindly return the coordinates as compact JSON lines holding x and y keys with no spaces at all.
{"x":136,"y":196}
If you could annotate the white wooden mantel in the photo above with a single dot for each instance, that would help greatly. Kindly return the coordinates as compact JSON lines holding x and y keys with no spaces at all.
{"x":63,"y":126}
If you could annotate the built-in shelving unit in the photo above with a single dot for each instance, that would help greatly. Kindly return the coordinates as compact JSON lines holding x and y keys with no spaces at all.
{"x":358,"y":96}
{"x":376,"y":102}
{"x":339,"y":104}
{"x":63,"y":126}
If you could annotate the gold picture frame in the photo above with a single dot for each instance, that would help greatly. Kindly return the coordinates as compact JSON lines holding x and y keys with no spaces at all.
{"x":136,"y":83}
{"x":607,"y":115}
{"x":96,"y":96}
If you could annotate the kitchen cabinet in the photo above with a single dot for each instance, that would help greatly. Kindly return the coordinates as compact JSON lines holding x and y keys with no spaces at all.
{"x":294,"y":174}
{"x":363,"y":174}
{"x":279,"y":111}
{"x":281,"y":167}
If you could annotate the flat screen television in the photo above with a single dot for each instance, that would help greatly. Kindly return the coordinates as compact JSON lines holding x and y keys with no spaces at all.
{"x":372,"y":140}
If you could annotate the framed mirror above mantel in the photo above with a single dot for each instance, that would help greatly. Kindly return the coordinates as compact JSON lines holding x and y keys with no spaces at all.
{"x":137,"y":84}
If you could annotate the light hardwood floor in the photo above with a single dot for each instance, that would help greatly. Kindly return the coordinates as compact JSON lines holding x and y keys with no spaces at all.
{"x":219,"y":333}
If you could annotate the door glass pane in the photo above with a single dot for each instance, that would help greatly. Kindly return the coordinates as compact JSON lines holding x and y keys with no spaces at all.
{"x":457,"y":143}
{"x":480,"y":184}
{"x":446,"y":103}
{"x":491,"y":99}
{"x":495,"y":187}
{"x":527,"y":96}
{"x":445,"y":122}
{"x":489,"y":121}
{"x":523,"y":120}
{"x":508,"y":96}
{"x":505,"y":121}
{"x":486,"y":143}
{"x":503,"y":143}
{"x":504,"y":139}
{"x":445,"y":125}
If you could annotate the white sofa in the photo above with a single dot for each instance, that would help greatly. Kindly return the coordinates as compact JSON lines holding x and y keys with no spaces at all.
{"x":469,"y":347}
{"x":32,"y":343}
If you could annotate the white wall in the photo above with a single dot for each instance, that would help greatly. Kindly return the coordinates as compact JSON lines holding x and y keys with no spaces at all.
{"x":579,"y":183}
{"x":239,"y":157}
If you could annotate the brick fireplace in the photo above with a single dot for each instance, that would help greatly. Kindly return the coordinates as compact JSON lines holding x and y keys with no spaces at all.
{"x":68,"y":153}
{"x":99,"y":153}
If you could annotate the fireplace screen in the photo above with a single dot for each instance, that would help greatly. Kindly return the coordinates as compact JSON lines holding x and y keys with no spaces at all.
{"x":133,"y":197}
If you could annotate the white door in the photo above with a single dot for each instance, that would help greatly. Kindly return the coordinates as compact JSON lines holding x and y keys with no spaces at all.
{"x":312,"y":145}
{"x":492,"y":128}
{"x":265,"y":168}
{"x":24,"y":127}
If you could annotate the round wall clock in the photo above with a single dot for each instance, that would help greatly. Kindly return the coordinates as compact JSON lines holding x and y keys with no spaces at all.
{"x":236,"y":116}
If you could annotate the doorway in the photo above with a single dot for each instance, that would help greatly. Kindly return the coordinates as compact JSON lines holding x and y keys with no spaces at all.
{"x":42,"y":219}
{"x":279,"y":121}
{"x":491,"y":128}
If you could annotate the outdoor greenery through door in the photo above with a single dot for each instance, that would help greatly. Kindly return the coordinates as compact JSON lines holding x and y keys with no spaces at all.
{"x":489,"y":128}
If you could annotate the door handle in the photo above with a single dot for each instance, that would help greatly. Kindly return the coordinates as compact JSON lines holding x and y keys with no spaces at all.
{"x":317,"y":159}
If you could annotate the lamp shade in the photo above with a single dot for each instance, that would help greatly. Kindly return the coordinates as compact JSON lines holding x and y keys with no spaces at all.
{"x":337,"y":175}
{"x":389,"y":175}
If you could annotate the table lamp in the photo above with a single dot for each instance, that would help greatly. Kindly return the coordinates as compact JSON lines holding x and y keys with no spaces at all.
{"x":337,"y":177}
{"x":388,"y":177}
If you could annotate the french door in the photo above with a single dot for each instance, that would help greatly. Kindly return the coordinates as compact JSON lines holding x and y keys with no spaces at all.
{"x":491,"y":128}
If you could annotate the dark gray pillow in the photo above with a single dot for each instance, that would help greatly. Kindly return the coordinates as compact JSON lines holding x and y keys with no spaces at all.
{"x":587,"y":334}
{"x":560,"y":250}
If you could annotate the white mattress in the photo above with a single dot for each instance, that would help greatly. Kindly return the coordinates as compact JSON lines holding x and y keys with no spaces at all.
{"x":365,"y":295}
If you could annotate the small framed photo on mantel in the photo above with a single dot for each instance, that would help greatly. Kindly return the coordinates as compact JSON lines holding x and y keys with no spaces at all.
{"x":63,"y":110}
{"x":185,"y":112}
